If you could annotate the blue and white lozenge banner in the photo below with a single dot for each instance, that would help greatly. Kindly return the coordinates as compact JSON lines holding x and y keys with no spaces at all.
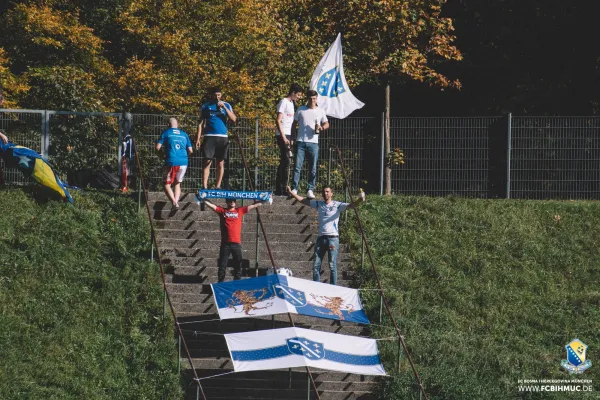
{"x":278,"y":294}
{"x":297,"y":347}
{"x":233,"y":194}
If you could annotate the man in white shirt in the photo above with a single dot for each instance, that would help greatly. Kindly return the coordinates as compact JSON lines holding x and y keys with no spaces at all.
{"x":285,"y":120}
{"x":328,"y":238}
{"x":310,"y":122}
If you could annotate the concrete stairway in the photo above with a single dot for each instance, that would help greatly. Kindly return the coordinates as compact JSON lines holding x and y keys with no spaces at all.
{"x":188,"y":241}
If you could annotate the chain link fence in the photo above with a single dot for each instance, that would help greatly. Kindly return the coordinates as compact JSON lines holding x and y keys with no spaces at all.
{"x":482,"y":157}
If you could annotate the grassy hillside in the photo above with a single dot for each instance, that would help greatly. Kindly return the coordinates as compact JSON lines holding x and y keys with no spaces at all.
{"x":486,"y":292}
{"x":80,"y":307}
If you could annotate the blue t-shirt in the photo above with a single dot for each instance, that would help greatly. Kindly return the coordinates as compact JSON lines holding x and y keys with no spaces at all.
{"x":176,"y":142}
{"x":216,"y":120}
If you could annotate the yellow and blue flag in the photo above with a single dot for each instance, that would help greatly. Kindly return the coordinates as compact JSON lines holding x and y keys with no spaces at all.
{"x":32,"y":164}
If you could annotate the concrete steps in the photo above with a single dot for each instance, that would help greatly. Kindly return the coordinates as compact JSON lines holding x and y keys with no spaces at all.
{"x":213,"y":226}
{"x":189,"y":241}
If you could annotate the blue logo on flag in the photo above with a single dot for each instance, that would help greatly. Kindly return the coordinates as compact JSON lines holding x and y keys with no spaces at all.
{"x":331,"y":84}
{"x":307,"y":348}
{"x":295,"y":297}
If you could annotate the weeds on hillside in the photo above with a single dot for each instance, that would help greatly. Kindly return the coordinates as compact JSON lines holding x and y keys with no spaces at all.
{"x":80,"y":307}
{"x":486,"y":292}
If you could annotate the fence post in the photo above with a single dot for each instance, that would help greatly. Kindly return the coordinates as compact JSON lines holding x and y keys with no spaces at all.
{"x":499,"y":134}
{"x":380,"y":306}
{"x":308,"y":387}
{"x":119,"y":146}
{"x":45,"y":133}
{"x":508,"y":150}
{"x":362,"y":252}
{"x":179,"y":354}
{"x":329,"y":167}
{"x":382,"y":153}
{"x":399,"y":353}
{"x":256,"y":155}
{"x":257,"y":250}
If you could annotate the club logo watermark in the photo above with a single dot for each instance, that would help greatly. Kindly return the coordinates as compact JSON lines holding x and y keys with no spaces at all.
{"x":576,"y":362}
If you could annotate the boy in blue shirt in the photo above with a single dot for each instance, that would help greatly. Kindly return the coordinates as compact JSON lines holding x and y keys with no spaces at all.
{"x":177,"y":146}
{"x":213,"y":123}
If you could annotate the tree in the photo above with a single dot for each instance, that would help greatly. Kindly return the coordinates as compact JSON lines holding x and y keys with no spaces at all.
{"x":48,"y":46}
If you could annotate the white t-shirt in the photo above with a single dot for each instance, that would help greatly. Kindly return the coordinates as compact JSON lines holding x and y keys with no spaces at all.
{"x":329,"y":215}
{"x":286,"y":108}
{"x":307,"y":119}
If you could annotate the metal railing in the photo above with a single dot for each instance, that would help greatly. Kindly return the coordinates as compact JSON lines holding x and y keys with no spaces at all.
{"x":482,"y":157}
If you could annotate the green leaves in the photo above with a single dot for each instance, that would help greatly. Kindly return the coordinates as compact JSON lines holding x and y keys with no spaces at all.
{"x":146,"y":56}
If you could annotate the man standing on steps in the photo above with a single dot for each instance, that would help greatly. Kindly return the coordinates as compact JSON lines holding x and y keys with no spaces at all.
{"x":328,"y":237}
{"x":285,"y":120}
{"x":177,"y":146}
{"x":213,"y":124}
{"x":231,"y":235}
{"x":312,"y":121}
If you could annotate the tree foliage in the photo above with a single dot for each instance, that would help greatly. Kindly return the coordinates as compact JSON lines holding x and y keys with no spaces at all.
{"x":163,"y":56}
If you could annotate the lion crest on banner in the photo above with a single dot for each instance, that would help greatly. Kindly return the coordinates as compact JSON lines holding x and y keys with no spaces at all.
{"x":249,"y":299}
{"x":335,"y":305}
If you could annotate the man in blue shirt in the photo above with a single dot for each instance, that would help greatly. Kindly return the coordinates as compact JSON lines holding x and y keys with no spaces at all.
{"x":177,"y":146}
{"x":213,"y":124}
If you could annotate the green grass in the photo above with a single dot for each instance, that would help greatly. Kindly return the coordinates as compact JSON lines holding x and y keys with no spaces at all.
{"x":486,"y":292}
{"x":80,"y":305}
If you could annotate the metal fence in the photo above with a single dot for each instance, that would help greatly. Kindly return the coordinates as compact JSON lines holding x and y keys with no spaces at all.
{"x":483,"y":157}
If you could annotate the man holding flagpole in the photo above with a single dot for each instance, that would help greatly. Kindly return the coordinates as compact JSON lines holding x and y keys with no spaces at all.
{"x":310,"y":121}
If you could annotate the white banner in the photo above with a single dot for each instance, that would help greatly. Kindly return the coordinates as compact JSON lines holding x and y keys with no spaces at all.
{"x":330,"y":83}
{"x":277,"y":294}
{"x":297,"y":347}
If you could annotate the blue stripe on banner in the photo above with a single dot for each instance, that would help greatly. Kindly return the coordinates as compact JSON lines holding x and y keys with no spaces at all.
{"x":282,"y":351}
{"x":261,"y":354}
{"x":353,"y":359}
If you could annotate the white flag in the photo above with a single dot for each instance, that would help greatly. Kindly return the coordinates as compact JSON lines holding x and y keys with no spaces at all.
{"x":297,"y":347}
{"x":330,"y":83}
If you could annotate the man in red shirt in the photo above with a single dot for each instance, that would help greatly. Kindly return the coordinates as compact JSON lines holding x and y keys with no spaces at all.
{"x":231,"y":235}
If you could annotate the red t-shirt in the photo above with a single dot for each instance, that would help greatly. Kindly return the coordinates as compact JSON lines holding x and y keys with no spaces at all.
{"x":231,"y":224}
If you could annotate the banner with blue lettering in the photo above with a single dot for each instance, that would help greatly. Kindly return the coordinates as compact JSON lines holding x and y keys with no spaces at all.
{"x":278,"y":294}
{"x":297,"y":347}
{"x":233,"y":194}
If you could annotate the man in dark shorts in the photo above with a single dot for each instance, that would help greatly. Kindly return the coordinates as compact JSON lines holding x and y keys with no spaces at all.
{"x":213,"y":124}
{"x":231,"y":235}
{"x":177,"y":146}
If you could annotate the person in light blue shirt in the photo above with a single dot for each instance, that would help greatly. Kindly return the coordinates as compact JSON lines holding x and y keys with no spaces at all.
{"x":177,"y":145}
{"x":213,"y":124}
{"x":328,"y":240}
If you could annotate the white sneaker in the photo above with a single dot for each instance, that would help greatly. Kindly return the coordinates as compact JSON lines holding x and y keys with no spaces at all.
{"x":294,"y":191}
{"x":310,"y":194}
